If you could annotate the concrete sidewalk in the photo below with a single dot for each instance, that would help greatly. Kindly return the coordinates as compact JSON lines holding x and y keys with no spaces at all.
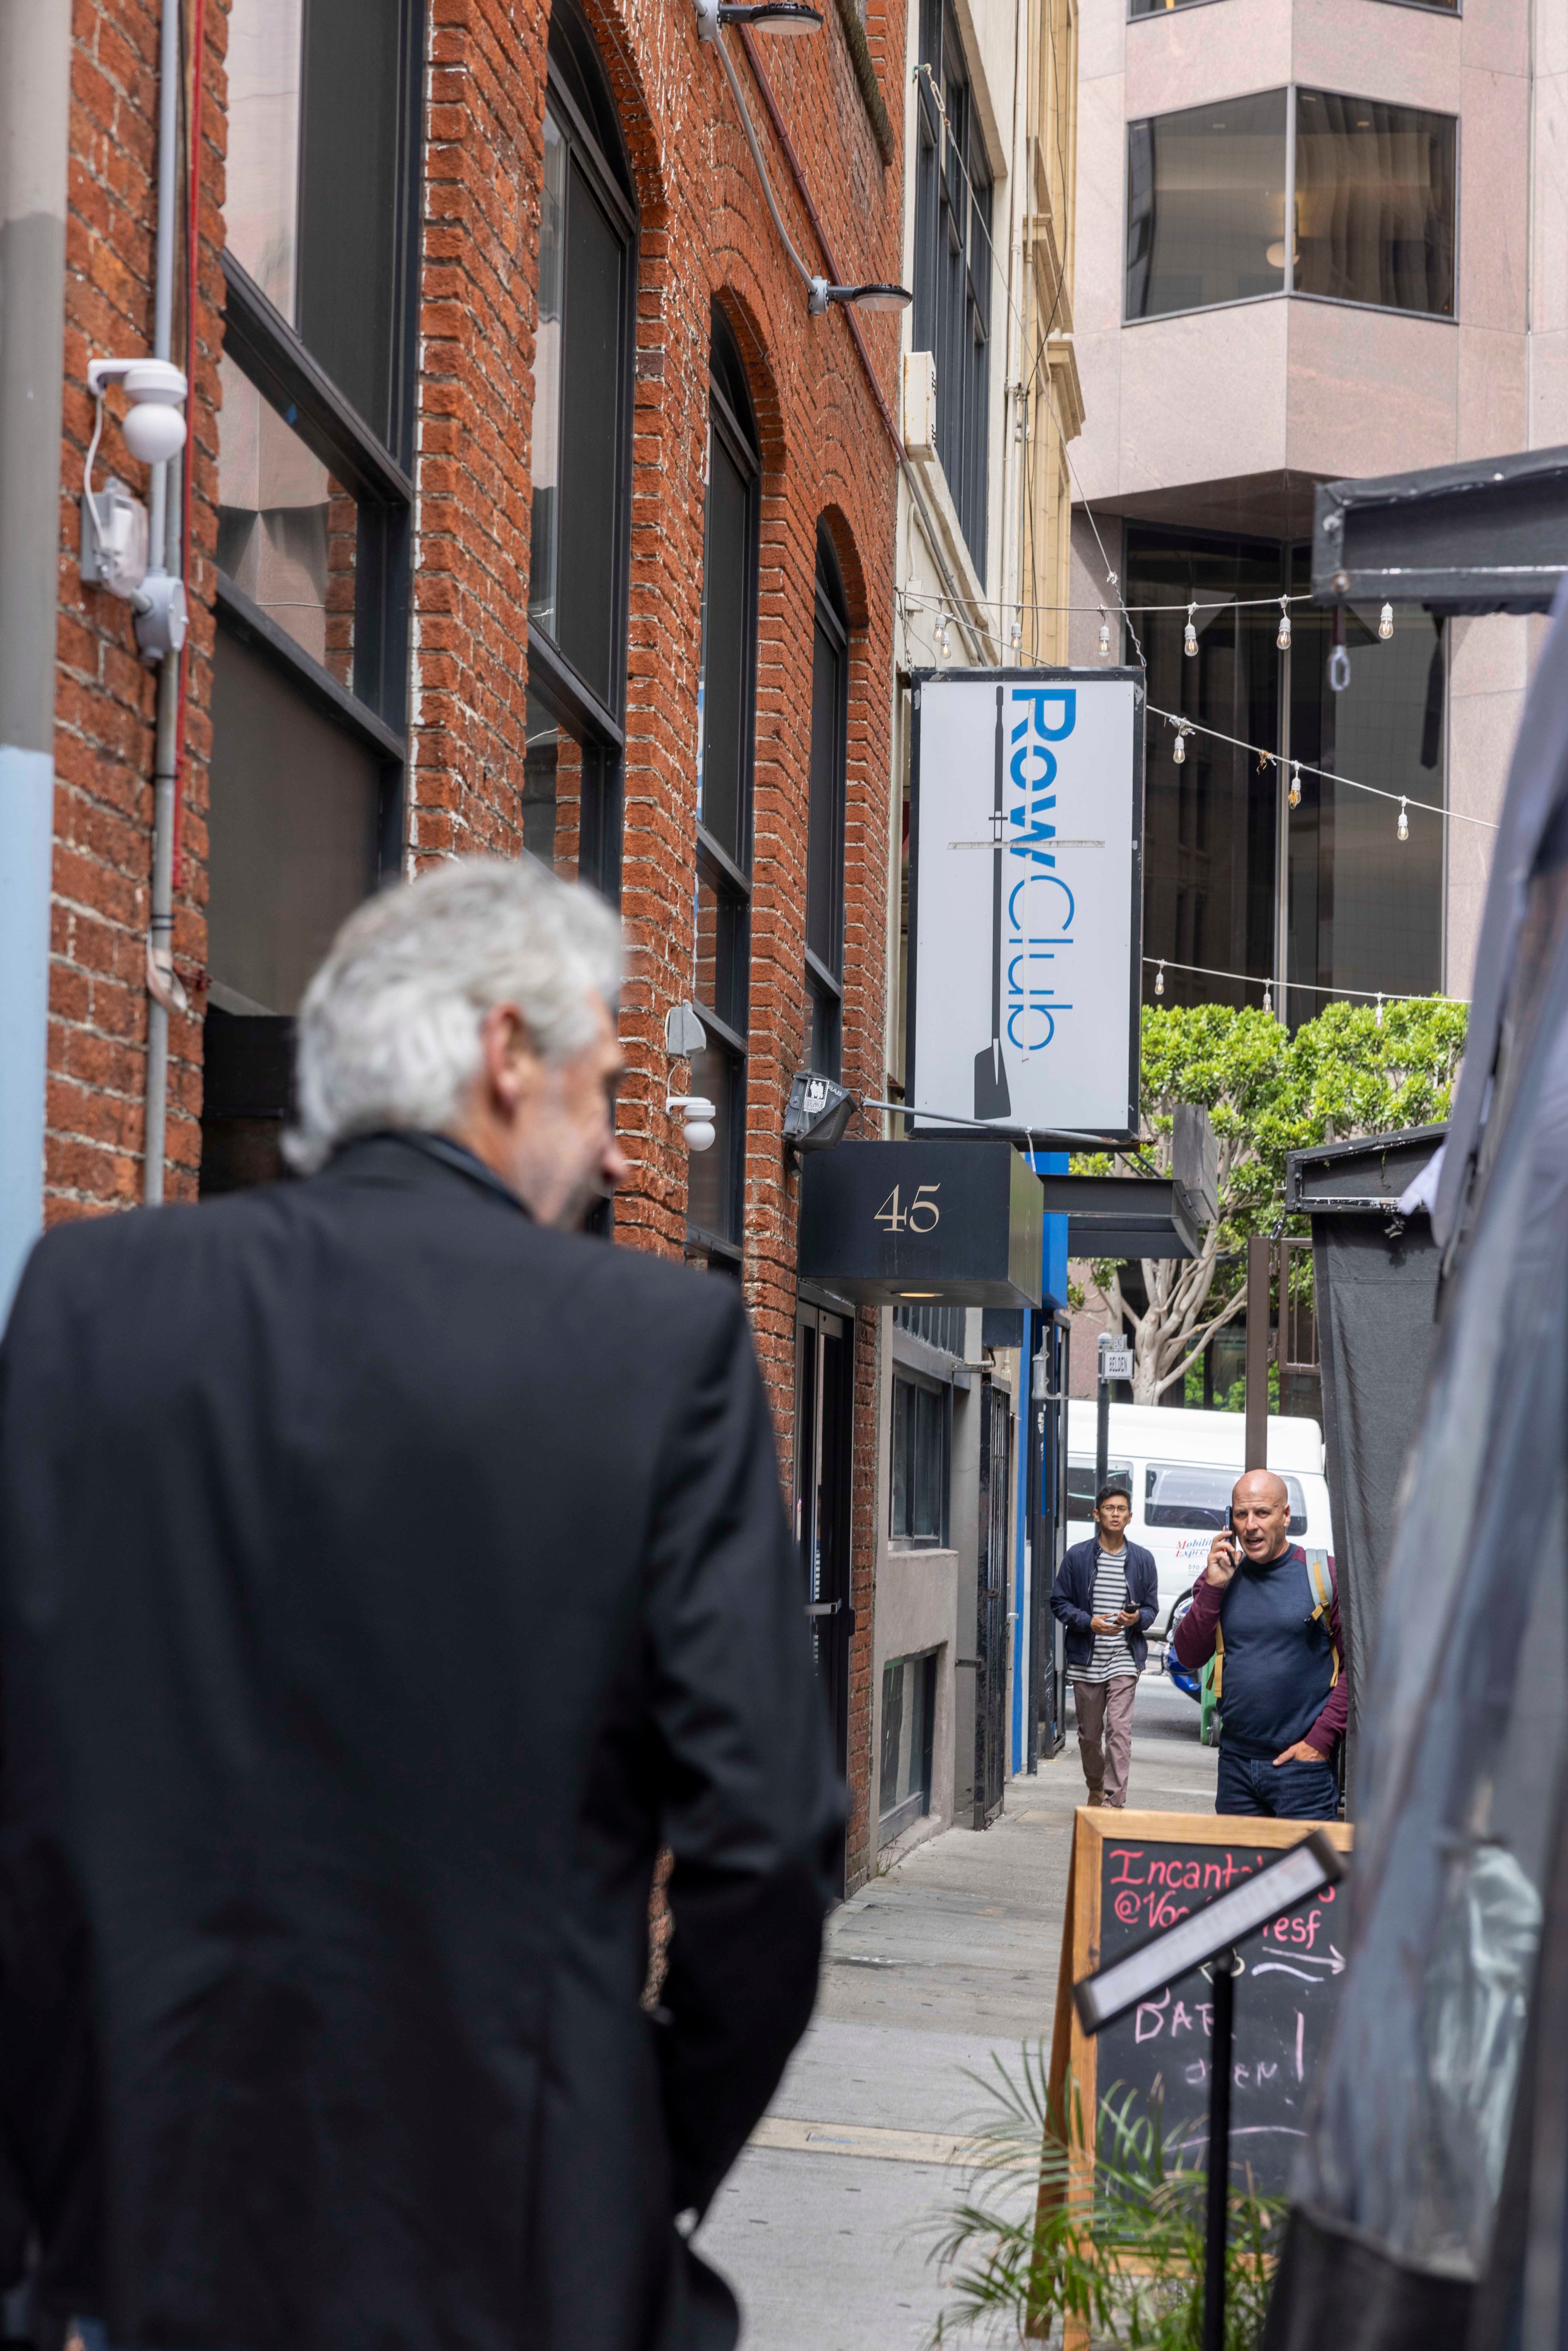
{"x":932,"y":1971}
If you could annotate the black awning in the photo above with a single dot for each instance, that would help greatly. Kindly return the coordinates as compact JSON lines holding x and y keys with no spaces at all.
{"x":1490,"y":536}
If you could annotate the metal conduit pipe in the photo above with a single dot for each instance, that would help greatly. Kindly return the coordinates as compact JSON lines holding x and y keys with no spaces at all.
{"x":34,"y":138}
{"x":163,"y":989}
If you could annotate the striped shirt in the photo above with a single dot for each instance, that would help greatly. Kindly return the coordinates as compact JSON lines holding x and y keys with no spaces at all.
{"x":1112,"y":1655}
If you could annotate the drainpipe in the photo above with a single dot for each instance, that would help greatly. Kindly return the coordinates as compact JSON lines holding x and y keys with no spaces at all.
{"x":163,"y":989}
{"x":35,"y":129}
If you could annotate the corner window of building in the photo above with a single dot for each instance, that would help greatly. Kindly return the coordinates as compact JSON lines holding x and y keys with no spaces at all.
{"x":825,"y":823}
{"x":953,"y":264}
{"x":1371,"y":190}
{"x":726,"y":727}
{"x":921,"y":1417}
{"x":309,"y":685}
{"x":581,"y":469}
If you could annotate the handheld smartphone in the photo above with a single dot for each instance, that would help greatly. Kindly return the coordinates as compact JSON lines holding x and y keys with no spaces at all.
{"x":1235,"y":1537}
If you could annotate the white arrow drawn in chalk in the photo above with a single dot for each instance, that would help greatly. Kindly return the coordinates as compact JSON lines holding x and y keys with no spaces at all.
{"x":1332,"y":1959}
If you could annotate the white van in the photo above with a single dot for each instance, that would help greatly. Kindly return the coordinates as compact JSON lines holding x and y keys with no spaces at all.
{"x":1179,"y":1468}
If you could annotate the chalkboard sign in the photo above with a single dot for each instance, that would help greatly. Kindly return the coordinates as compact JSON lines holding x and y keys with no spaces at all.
{"x":1135,"y":1873}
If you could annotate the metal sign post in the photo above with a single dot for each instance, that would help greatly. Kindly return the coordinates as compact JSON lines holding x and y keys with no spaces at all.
{"x":1208,"y":1938}
{"x":1115,"y":1363}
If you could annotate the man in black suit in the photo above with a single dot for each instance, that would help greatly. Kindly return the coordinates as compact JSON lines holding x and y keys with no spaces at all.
{"x":386,"y":1572}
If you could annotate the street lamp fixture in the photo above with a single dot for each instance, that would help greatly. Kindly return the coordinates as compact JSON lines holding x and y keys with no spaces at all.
{"x":858,"y":297}
{"x":792,"y":19}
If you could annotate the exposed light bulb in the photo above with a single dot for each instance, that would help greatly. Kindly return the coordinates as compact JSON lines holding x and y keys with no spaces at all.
{"x":1268,"y":998}
{"x":1284,"y":638}
{"x":1339,"y":669}
{"x":1377,"y":1018}
{"x":1385,"y":622}
{"x":1104,"y":636}
{"x":1015,"y":634}
{"x":1403,"y":828}
{"x":1295,"y":794}
{"x":1190,"y":636}
{"x":1160,"y":977}
{"x":1179,"y":752}
{"x":944,"y":643}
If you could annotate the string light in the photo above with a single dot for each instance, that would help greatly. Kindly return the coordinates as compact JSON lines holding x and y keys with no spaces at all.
{"x":1403,"y":828}
{"x":1160,"y":978}
{"x":1190,"y":636}
{"x":1283,"y":639}
{"x":1295,"y":794}
{"x":1385,"y":622}
{"x":1015,"y":634}
{"x":1179,"y":752}
{"x":943,"y":644}
{"x":1339,"y":660}
{"x":1268,"y":998}
{"x":1377,"y":1016}
{"x":1104,"y":636}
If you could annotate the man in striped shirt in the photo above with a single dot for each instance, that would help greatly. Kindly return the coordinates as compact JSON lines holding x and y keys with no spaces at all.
{"x":1106,"y":1593}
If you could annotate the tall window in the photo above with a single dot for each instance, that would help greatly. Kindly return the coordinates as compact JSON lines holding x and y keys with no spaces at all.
{"x":1371,"y":188}
{"x":581,"y":469}
{"x":1365,"y":908}
{"x":726,"y":727}
{"x":953,"y":266}
{"x":825,"y":844}
{"x":310,"y":688}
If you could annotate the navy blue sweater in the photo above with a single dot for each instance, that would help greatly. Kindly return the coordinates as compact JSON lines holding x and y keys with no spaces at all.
{"x":1073,"y":1599}
{"x":1278,"y":1664}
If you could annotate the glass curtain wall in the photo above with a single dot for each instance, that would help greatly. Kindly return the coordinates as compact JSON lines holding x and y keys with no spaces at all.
{"x":581,"y":471}
{"x":1366,"y":908}
{"x":953,"y":264}
{"x":823,"y":1042}
{"x":309,"y":691}
{"x":726,"y":728}
{"x":1373,"y":189}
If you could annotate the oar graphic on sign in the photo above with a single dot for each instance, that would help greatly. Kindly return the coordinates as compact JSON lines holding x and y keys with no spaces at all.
{"x":992,"y":1099}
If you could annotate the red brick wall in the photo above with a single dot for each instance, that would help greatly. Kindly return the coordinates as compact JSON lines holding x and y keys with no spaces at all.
{"x":705,"y":236}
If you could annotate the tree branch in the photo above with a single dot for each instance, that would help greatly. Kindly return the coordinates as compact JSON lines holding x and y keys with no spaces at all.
{"x":1204,"y":1337}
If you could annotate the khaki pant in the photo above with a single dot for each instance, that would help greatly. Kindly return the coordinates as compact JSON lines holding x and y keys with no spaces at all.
{"x":1105,"y":1734}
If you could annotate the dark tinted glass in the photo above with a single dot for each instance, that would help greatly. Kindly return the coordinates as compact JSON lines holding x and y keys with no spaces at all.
{"x":919,"y":1462}
{"x":1180,"y":1494}
{"x":824,"y":1030}
{"x":350,"y":228}
{"x":292,"y":831}
{"x":1205,"y":206}
{"x":825,"y":858}
{"x":591,"y":439}
{"x":1374,"y":202}
{"x":1081,"y":1486}
{"x":714,"y":1194}
{"x":726,"y":651}
{"x":720,"y":977}
{"x":953,"y":266}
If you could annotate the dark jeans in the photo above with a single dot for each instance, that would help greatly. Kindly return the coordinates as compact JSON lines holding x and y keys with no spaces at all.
{"x":1285,"y":1791}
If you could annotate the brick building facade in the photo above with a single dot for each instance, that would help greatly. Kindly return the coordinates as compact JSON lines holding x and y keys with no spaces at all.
{"x":364,"y":603}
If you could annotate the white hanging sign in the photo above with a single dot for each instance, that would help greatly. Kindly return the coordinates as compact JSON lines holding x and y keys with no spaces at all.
{"x":1026,"y":900}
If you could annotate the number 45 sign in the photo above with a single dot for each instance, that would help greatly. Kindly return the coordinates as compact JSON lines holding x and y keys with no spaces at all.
{"x":923,"y":1214}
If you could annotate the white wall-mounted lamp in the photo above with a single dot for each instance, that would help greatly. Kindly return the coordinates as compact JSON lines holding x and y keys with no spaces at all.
{"x":155,"y":426}
{"x":114,"y":549}
{"x":698,"y":1115}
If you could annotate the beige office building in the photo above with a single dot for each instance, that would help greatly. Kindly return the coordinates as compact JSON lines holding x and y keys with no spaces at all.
{"x":1417,"y":315}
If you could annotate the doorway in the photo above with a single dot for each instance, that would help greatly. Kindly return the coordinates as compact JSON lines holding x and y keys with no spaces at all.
{"x":824,"y":1404}
{"x":992,"y":1602}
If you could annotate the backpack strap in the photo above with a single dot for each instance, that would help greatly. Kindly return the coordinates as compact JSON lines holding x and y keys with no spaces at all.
{"x":1218,"y":1662}
{"x":1322,"y":1582}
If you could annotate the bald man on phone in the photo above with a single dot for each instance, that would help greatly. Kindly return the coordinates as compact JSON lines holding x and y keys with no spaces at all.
{"x":1275,"y":1622}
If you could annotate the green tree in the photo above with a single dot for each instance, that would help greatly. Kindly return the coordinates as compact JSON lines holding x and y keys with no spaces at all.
{"x":1349,"y":1072}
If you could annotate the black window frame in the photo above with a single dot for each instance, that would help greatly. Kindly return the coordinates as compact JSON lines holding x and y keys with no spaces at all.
{"x":953,"y":264}
{"x":904,"y":1376}
{"x":826,"y":814}
{"x":732,"y":424}
{"x":578,"y":95}
{"x":1136,"y":223}
{"x":273,"y":355}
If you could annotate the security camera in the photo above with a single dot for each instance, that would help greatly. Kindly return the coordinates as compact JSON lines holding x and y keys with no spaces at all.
{"x":698,"y":1115}
{"x":155,"y":426}
{"x":818,"y":1112}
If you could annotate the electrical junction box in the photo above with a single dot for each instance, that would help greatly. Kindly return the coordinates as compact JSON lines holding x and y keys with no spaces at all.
{"x":920,"y":403}
{"x":113,"y":539}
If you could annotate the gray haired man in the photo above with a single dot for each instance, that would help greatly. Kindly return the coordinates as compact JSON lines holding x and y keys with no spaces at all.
{"x":386,"y":1573}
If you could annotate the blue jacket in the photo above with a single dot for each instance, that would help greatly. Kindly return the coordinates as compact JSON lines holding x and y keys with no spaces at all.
{"x":1073,"y":1599}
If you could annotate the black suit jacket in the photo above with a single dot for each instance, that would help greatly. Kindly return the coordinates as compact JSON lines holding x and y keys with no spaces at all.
{"x":383,"y":1578}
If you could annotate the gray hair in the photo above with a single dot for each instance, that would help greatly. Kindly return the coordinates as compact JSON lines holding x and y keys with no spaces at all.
{"x":389,"y":1028}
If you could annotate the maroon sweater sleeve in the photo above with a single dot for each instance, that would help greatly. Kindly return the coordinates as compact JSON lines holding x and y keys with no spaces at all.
{"x":1329,"y":1729}
{"x":1194,"y":1633}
